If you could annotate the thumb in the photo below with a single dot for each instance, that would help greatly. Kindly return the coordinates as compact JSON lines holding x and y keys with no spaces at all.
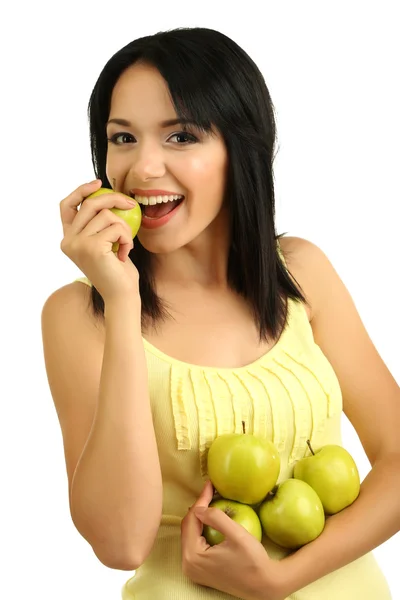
{"x":205,"y":497}
{"x":216,"y":518}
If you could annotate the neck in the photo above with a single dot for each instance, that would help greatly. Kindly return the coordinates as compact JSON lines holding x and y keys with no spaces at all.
{"x":201,"y":263}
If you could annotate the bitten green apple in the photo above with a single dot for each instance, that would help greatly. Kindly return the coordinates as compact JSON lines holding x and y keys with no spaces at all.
{"x":132,"y":216}
{"x":240,"y":513}
{"x":243,"y":467}
{"x":292,"y":515}
{"x":332,"y":472}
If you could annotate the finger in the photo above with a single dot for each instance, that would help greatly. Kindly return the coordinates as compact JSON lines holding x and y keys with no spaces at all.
{"x":191,"y":530}
{"x":191,"y":527}
{"x":117,"y":233}
{"x":104,"y":219}
{"x":216,"y":518}
{"x":122,"y":251}
{"x":69,"y":205}
{"x":91,"y":207}
{"x":206,"y":495}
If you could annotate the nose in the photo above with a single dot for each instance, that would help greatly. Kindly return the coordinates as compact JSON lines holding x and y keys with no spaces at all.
{"x":148,"y":162}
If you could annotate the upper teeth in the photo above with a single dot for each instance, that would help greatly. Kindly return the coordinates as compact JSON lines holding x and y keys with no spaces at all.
{"x":156,"y":199}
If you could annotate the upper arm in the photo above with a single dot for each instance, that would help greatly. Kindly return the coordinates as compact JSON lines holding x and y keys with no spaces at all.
{"x":371,"y":396}
{"x":73,"y":354}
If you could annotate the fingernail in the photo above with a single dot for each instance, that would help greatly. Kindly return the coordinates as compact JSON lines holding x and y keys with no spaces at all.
{"x":132,"y":202}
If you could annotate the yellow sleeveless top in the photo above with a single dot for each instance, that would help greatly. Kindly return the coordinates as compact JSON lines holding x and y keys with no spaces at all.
{"x":289,"y":395}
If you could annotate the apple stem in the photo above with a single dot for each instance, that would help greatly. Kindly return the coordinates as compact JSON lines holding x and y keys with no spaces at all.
{"x":244,"y":426}
{"x":311,"y":450}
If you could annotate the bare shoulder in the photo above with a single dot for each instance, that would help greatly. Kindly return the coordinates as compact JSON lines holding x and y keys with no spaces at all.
{"x":73,"y":353}
{"x":371,"y":395}
{"x":75,"y":290}
{"x":71,"y":302}
{"x":305,"y":261}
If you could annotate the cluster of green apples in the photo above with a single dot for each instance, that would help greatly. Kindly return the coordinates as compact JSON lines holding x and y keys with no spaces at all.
{"x":244,"y":470}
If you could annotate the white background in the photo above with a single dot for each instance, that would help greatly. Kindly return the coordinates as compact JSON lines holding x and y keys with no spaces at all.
{"x":333,"y":72}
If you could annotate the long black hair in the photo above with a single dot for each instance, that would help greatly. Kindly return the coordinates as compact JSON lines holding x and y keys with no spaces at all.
{"x":214,"y":84}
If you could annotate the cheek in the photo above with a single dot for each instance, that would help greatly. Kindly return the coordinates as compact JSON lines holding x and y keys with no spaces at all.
{"x":199,"y":167}
{"x":210,"y":169}
{"x":115,"y":169}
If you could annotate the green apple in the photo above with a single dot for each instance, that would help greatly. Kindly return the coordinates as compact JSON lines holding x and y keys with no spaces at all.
{"x":243,"y":467}
{"x":240,"y":513}
{"x":333,"y":474}
{"x":132,"y":216}
{"x":292,"y":515}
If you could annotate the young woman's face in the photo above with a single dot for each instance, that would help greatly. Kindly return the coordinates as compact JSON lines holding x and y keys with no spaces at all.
{"x":154,"y":159}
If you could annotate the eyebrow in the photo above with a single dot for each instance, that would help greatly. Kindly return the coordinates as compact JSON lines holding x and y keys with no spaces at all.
{"x":163,"y":124}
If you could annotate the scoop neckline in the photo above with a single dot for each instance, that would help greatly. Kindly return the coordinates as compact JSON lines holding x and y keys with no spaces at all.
{"x":276,"y":348}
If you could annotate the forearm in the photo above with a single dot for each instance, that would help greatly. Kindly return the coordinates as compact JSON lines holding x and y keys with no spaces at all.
{"x":371,"y":520}
{"x":116,"y":493}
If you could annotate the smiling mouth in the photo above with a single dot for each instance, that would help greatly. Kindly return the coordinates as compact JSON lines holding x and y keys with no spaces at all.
{"x":156,"y":207}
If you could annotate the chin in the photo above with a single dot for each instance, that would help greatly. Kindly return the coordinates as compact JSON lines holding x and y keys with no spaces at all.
{"x":159,"y":246}
{"x":179,"y":233}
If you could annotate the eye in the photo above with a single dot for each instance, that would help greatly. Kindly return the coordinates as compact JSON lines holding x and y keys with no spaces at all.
{"x":121,"y":138}
{"x":183,"y":137}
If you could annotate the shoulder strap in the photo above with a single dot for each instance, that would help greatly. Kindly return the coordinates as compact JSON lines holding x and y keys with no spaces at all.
{"x":83,"y":280}
{"x":278,"y":246}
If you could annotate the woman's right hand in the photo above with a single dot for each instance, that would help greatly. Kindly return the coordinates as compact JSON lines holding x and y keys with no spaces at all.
{"x":89,"y":234}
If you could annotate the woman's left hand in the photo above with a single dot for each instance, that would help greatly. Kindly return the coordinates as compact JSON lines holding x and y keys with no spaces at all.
{"x":239,"y":565}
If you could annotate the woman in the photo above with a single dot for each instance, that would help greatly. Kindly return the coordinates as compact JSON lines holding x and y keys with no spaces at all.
{"x":211,"y":319}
